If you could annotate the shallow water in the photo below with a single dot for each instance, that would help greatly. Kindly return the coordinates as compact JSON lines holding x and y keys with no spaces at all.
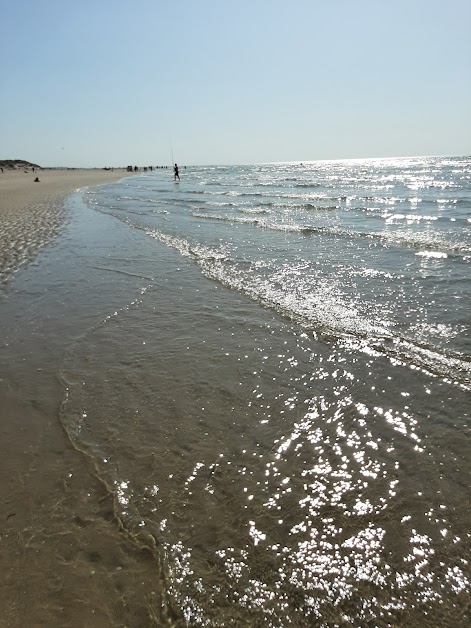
{"x":265,"y":370}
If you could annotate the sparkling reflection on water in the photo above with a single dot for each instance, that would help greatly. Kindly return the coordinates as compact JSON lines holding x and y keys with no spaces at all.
{"x":278,"y":409}
{"x":284,"y":479}
{"x":291,"y":437}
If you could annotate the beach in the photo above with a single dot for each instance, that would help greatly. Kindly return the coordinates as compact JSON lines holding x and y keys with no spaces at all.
{"x":19,"y":191}
{"x":37,"y":461}
{"x":240,"y":399}
{"x":31,"y":212}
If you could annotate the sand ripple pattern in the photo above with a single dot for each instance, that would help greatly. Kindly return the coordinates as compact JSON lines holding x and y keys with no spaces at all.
{"x":23,"y":233}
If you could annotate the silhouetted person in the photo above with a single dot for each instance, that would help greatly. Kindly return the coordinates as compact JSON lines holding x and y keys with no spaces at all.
{"x":176,"y":175}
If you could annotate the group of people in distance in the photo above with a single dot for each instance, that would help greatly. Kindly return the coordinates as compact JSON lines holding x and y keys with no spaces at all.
{"x":176,"y":173}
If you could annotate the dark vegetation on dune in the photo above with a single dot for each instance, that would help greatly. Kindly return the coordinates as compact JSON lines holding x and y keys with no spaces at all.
{"x":14,"y":164}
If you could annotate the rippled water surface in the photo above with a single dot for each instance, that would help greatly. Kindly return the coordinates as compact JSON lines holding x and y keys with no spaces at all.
{"x":268,"y":367}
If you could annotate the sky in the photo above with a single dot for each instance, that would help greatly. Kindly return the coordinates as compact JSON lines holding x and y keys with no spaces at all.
{"x":109,"y":83}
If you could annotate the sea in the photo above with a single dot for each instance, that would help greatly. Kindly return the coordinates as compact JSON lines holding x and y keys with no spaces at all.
{"x":267,"y":371}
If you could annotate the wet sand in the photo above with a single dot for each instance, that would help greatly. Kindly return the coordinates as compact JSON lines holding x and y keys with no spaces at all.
{"x":54,"y":509}
{"x":32,"y":213}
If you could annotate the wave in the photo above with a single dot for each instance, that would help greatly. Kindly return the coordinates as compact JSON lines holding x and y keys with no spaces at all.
{"x":254,"y":210}
{"x":251,"y":194}
{"x":418,"y":218}
{"x":260,"y":222}
{"x":261,"y":208}
{"x":409,"y":240}
{"x":323,"y":312}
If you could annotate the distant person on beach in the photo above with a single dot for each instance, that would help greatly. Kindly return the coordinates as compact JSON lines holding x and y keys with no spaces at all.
{"x":176,"y":175}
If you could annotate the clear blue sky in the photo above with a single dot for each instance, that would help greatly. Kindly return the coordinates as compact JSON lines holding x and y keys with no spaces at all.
{"x":117,"y":82}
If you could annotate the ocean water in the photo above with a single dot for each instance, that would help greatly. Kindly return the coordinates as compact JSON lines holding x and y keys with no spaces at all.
{"x":268,"y":369}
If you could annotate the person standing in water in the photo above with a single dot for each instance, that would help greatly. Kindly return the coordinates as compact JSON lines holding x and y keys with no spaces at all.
{"x":176,"y":175}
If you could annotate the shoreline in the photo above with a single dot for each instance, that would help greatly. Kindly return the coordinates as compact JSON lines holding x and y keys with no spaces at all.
{"x":18,"y":188}
{"x":56,"y":510}
{"x":164,"y":414}
{"x":32,"y":213}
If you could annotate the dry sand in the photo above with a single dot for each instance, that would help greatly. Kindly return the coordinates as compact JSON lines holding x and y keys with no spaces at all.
{"x":18,"y":190}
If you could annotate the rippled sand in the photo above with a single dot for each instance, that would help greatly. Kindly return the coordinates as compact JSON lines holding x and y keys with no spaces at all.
{"x":31,"y":212}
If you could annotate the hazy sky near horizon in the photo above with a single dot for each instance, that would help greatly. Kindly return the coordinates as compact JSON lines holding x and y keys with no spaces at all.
{"x":114,"y":82}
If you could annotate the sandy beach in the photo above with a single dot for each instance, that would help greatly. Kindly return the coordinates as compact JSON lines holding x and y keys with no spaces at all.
{"x":18,"y":189}
{"x":31,"y":213}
